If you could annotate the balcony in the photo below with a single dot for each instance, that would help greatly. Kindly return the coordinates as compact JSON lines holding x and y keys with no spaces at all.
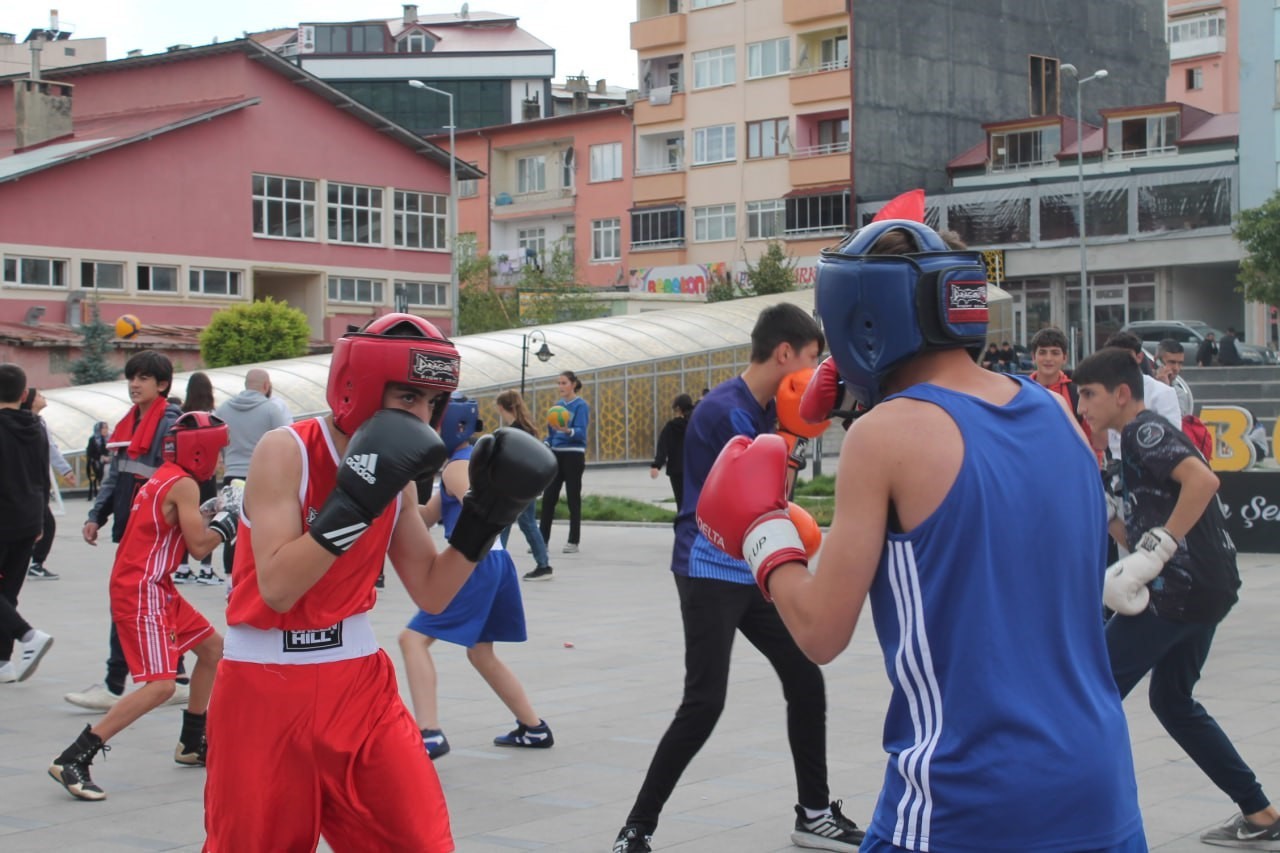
{"x":649,"y":112}
{"x":803,"y":11}
{"x":654,"y":184}
{"x":663,"y":31}
{"x":521,"y":205}
{"x":828,"y":82}
{"x":820,"y":164}
{"x":1206,"y":46}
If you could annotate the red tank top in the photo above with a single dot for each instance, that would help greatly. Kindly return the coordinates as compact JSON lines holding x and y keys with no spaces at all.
{"x":151,"y":547}
{"x":348,"y":587}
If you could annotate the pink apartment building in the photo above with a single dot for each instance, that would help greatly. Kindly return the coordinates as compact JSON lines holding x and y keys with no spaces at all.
{"x":562,"y":180}
{"x":174,"y":185}
{"x":1204,"y":54}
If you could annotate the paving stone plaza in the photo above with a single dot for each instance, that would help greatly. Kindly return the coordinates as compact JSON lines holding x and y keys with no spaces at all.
{"x":608,"y":698}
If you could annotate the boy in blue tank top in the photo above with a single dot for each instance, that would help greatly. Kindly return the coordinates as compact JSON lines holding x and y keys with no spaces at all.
{"x":1004,"y":730}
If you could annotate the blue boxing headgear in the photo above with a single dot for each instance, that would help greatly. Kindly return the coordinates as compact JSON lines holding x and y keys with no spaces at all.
{"x":461,"y":421}
{"x":879,"y":311}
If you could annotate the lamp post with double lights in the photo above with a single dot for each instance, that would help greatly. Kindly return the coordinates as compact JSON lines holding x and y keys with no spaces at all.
{"x":544,"y":352}
{"x":1086,"y":311}
{"x":453,"y":205}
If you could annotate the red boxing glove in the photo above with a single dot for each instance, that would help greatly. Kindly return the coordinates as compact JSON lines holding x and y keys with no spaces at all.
{"x":823,"y":394}
{"x":742,"y":509}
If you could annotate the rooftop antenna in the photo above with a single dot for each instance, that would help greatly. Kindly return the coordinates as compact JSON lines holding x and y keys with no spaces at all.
{"x":466,"y":11}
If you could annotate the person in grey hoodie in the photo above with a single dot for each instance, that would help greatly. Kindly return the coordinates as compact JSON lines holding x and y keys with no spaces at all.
{"x":249,"y":416}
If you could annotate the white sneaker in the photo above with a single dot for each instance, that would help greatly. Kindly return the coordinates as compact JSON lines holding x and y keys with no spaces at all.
{"x":181,"y":693}
{"x":7,"y":673}
{"x":32,"y":653}
{"x":95,"y":697}
{"x":571,"y":548}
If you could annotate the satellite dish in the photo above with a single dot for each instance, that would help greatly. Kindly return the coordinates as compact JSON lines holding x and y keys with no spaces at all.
{"x":466,"y":9}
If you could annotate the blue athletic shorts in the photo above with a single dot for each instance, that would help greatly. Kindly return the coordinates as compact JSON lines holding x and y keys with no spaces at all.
{"x":488,"y":608}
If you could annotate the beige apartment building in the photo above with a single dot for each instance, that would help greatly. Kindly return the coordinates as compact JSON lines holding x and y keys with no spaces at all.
{"x":742,"y":135}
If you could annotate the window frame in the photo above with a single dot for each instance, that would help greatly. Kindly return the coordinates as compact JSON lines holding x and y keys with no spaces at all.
{"x":710,"y":66}
{"x":606,"y":162}
{"x":728,"y":144}
{"x":92,"y":278}
{"x":262,"y":202}
{"x":769,"y":209}
{"x":441,"y":288}
{"x":756,"y":54}
{"x":661,"y":220}
{"x":715,"y":223}
{"x":196,"y":282}
{"x":150,"y":276}
{"x":537,"y":168}
{"x":603,"y":232}
{"x":58,"y":268}
{"x":377,"y":285}
{"x":438,"y":219}
{"x":343,"y":214}
{"x":781,"y":141}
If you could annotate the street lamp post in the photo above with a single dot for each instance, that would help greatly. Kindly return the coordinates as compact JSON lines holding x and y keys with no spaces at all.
{"x":544,"y":353}
{"x":453,"y":206}
{"x":1086,"y":311}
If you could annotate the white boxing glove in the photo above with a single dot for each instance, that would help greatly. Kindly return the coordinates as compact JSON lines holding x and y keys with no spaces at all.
{"x":1115,"y":507}
{"x":1124,"y":588}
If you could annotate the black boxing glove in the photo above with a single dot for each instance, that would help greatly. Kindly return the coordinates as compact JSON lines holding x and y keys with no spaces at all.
{"x":388,"y":451}
{"x":508,"y":469}
{"x":225,"y":525}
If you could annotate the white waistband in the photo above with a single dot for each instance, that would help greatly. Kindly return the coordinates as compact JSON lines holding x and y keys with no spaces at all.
{"x":349,"y":639}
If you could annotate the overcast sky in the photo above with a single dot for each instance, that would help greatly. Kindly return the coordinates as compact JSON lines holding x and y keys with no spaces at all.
{"x":589,"y":36}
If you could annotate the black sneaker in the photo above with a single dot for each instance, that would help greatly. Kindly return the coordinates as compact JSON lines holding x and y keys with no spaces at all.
{"x":828,"y":832}
{"x":381,"y":582}
{"x":71,"y":768}
{"x":208,"y":578}
{"x":632,"y":840}
{"x":1243,"y":835}
{"x":531,"y":737}
{"x":38,"y":572}
{"x":184,"y":575}
{"x":542,"y":573}
{"x":435,"y":743}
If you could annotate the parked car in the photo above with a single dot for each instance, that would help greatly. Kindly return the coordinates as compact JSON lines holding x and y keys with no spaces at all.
{"x":1190,"y":333}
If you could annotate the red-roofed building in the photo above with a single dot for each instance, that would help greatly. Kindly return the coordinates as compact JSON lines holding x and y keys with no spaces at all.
{"x":173,"y":185}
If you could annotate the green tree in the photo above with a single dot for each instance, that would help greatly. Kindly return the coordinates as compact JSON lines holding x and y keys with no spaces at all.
{"x":93,"y":366}
{"x":259,"y":331}
{"x":773,"y":272}
{"x":1258,"y":230}
{"x":481,"y":308}
{"x":721,"y":289}
{"x":550,"y":293}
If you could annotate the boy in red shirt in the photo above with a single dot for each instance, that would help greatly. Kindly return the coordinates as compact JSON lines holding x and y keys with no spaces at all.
{"x":155,"y":623}
{"x":1049,"y":350}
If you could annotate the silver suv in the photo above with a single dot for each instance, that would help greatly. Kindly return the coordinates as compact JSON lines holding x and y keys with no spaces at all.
{"x":1190,"y":333}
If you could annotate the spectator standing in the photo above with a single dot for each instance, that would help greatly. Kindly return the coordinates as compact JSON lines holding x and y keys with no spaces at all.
{"x":513,"y":412}
{"x":1228,"y":353}
{"x":35,"y":403}
{"x":24,"y":489}
{"x":1207,"y":351}
{"x":95,"y":454}
{"x":670,"y":450}
{"x":569,"y":444}
{"x":1049,"y":350}
{"x":249,"y":416}
{"x":1170,"y":359}
{"x":200,"y":399}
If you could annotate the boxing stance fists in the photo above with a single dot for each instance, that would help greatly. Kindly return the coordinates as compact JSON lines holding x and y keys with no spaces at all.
{"x":225,"y":524}
{"x":508,"y":470}
{"x":824,"y":394}
{"x":743,"y":508}
{"x":795,"y":429}
{"x":1124,"y":589}
{"x":385,"y":453}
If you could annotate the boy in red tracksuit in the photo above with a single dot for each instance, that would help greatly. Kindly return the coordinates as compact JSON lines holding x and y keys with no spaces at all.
{"x":155,"y":623}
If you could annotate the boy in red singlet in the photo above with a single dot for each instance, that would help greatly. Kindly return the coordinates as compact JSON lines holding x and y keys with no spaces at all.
{"x":308,"y":733}
{"x":155,"y":623}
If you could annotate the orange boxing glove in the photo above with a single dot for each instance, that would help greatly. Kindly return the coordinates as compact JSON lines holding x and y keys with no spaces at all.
{"x":792,"y":426}
{"x":810,"y":533}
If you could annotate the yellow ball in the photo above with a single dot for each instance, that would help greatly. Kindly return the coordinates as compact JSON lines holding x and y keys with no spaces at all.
{"x":559,"y":417}
{"x":128,"y":326}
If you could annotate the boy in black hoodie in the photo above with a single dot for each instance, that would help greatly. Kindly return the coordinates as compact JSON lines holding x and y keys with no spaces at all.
{"x":24,"y":492}
{"x":670,"y":450}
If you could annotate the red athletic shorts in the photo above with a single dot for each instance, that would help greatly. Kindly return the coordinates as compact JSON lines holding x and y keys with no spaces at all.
{"x":156,"y":634}
{"x":303,"y":750}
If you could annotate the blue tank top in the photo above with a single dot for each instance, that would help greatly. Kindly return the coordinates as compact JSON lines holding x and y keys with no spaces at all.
{"x":1004,"y":729}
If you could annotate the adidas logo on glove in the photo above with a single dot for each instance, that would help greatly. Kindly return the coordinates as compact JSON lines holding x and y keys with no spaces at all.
{"x":364,"y":465}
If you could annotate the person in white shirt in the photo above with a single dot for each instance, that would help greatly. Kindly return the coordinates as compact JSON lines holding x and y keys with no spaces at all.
{"x":1170,"y":359}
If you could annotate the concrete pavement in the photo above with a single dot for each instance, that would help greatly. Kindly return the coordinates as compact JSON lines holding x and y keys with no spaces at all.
{"x":608,"y":699}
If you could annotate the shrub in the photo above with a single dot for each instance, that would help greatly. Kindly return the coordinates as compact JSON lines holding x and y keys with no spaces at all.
{"x":260,"y":331}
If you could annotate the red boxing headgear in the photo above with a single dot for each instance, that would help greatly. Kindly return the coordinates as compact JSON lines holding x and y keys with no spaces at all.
{"x":194,"y":442}
{"x":397,"y":348}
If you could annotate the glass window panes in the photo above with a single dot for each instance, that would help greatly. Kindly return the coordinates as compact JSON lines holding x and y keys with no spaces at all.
{"x":157,"y":279}
{"x":663,"y":227}
{"x":429,"y":294}
{"x":355,"y":214}
{"x":606,"y":239}
{"x":101,"y":276}
{"x":44,"y":272}
{"x":715,"y":67}
{"x":715,"y":222}
{"x":214,"y":282}
{"x":420,"y":220}
{"x":284,"y":207}
{"x":531,"y":174}
{"x":606,"y":162}
{"x":714,"y":144}
{"x":767,"y":58}
{"x":768,"y":138}
{"x":364,"y":291}
{"x":766,"y":218}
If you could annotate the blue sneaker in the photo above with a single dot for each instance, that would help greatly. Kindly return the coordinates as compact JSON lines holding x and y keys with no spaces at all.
{"x":535,"y":737}
{"x":435,"y":743}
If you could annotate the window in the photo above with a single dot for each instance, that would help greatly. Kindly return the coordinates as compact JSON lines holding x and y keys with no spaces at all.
{"x":834,"y":53}
{"x":606,"y":239}
{"x":429,"y":294}
{"x":657,"y":228}
{"x":284,"y":207}
{"x":715,"y":144}
{"x":833,"y":134}
{"x":467,"y":246}
{"x":420,"y":220}
{"x":568,"y":244}
{"x":363,"y":291}
{"x":1195,"y":78}
{"x":531,"y":174}
{"x":534,"y":243}
{"x":101,"y":276}
{"x":44,"y":272}
{"x":1141,"y":136}
{"x":767,"y":58}
{"x":1200,"y":27}
{"x":715,"y":222}
{"x":606,"y":162}
{"x":350,"y":38}
{"x":355,"y":214}
{"x":417,"y":42}
{"x":1025,"y":148}
{"x":768,"y":138}
{"x":214,"y":282}
{"x":154,"y":279}
{"x":766,"y":218}
{"x":469,"y":188}
{"x":817,"y":214}
{"x":706,"y":4}
{"x":1043,"y":85}
{"x":714,"y":68}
